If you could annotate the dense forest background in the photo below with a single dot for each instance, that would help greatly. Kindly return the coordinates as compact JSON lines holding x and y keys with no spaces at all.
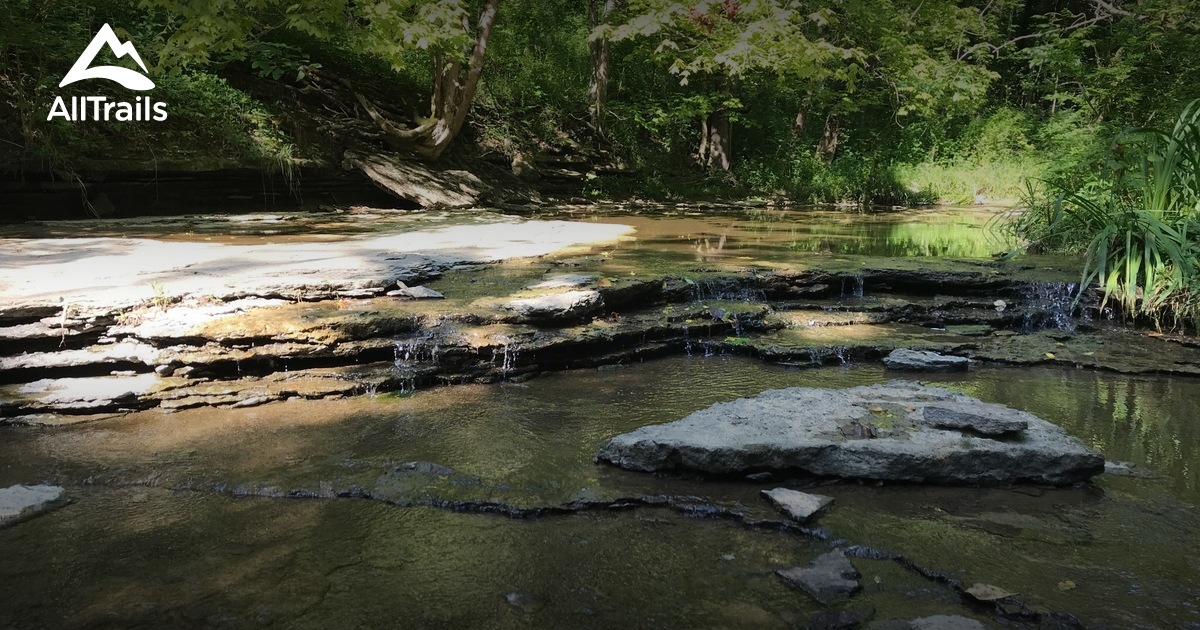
{"x":838,"y":100}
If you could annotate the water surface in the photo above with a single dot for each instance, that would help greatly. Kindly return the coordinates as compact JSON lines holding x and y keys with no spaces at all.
{"x":308,"y":562}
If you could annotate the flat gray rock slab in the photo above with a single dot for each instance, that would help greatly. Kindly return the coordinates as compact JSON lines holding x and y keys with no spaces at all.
{"x":828,"y":579}
{"x":869,"y":432}
{"x":903,"y":359}
{"x":18,"y":502}
{"x":96,"y":275}
{"x":800,"y":506}
{"x":557,"y":307}
{"x":980,"y":417}
{"x":87,"y":393}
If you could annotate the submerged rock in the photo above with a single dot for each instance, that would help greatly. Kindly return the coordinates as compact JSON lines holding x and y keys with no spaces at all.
{"x":1125,"y":469}
{"x":935,"y":622}
{"x":828,"y":579}
{"x":840,"y":619}
{"x":904,"y":359}
{"x":565,"y":281}
{"x":525,"y":602}
{"x":868,"y":432}
{"x":946,"y":622}
{"x":801,"y":506}
{"x":18,"y":502}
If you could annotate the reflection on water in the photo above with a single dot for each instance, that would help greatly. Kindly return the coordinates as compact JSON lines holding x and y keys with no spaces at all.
{"x":966,"y":233}
{"x":131,"y":551}
{"x":533,"y":444}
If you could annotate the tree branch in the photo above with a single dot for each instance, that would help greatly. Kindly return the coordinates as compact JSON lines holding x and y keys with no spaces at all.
{"x":392,"y":131}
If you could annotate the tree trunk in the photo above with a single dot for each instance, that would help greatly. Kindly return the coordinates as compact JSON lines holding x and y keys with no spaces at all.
{"x":801,"y":115}
{"x":827,"y":145}
{"x":715,"y":143}
{"x":598,"y":12}
{"x":453,"y":90}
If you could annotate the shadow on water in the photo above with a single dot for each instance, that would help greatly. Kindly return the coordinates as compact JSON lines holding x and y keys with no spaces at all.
{"x":135,"y":548}
{"x":134,"y":551}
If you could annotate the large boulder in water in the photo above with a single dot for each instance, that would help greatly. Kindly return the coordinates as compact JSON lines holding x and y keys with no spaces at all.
{"x":900,"y":431}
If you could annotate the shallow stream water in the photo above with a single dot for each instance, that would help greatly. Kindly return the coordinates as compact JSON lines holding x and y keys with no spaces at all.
{"x":183,"y":518}
{"x":132,"y":550}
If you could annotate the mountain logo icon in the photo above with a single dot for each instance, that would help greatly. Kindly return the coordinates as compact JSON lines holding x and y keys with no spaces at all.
{"x":129,"y":78}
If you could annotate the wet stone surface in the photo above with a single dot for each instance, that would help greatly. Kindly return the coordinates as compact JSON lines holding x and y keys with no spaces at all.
{"x":875,"y":432}
{"x":924,"y":361}
{"x":828,"y":579}
{"x":800,"y":506}
{"x":572,"y":320}
{"x":22,"y":502}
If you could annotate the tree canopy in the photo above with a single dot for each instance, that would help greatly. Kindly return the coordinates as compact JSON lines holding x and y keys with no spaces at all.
{"x":817,"y":99}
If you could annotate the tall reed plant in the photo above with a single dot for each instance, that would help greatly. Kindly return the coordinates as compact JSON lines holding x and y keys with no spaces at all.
{"x":1138,"y":222}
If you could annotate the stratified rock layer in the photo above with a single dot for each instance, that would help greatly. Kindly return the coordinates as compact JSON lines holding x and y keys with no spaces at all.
{"x":868,"y":432}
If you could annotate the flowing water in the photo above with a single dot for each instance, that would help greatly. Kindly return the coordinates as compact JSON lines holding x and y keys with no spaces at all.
{"x":184,"y":519}
{"x":133,"y":551}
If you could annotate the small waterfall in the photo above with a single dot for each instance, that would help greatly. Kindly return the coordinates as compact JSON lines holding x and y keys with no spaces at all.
{"x":719,"y":289}
{"x":694,"y":348}
{"x":1051,"y":305}
{"x":409,"y":354}
{"x":417,"y":350}
{"x":406,"y":382}
{"x":824,"y":356}
{"x":507,"y":356}
{"x":857,"y":287}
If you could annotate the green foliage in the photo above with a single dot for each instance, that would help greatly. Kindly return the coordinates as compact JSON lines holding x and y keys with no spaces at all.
{"x":538,"y":103}
{"x":273,"y":60}
{"x":1138,"y":221}
{"x":734,"y":39}
{"x":208,"y":112}
{"x":930,"y":99}
{"x":210,"y":121}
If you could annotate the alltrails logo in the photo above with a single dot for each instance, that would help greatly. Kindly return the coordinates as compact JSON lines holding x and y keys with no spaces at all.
{"x":100,"y":107}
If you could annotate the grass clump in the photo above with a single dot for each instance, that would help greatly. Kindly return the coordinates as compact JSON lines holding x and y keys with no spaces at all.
{"x":1137,"y":222}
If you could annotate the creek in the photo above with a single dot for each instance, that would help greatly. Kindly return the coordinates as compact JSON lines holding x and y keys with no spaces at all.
{"x":472,"y":499}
